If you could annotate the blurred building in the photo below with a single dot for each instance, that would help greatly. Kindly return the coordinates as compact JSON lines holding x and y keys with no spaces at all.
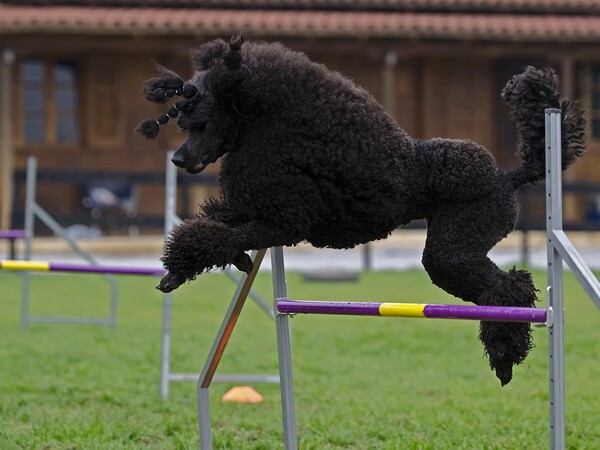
{"x":75,"y":68}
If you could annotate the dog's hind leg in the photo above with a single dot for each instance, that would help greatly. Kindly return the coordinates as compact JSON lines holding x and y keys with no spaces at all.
{"x":455,"y":256}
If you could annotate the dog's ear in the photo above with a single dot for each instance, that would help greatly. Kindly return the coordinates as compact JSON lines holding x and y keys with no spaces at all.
{"x":159,"y":90}
{"x":163,"y":87}
{"x":207,"y":53}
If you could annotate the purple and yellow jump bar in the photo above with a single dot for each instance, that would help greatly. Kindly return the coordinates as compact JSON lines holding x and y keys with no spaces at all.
{"x":424,"y":311}
{"x":43,"y":266}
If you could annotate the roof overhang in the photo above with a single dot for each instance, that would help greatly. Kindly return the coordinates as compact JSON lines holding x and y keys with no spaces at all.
{"x":285,"y":23}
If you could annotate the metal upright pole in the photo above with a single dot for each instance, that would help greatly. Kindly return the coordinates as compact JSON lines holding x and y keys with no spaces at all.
{"x":6,"y":132}
{"x":30,"y":188}
{"x":170,"y":205}
{"x":284,"y":352}
{"x":554,"y":222}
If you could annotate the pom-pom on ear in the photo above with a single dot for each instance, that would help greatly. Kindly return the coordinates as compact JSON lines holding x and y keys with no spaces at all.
{"x":170,"y":79}
{"x":155,"y":89}
{"x":148,"y":128}
{"x":189,"y":90}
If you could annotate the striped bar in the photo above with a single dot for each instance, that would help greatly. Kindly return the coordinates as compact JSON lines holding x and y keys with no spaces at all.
{"x":468,"y":312}
{"x":43,"y":266}
{"x":13,"y":234}
{"x":38,"y":266}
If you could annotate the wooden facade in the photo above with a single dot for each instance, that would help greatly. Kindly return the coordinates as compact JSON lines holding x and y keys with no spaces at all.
{"x":92,"y":79}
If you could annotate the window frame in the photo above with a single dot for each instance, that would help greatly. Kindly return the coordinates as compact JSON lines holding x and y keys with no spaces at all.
{"x":51,"y":110}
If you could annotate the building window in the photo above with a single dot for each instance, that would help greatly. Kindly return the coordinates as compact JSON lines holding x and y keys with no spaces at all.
{"x":65,"y":102}
{"x":49,"y":102}
{"x":33,"y":76}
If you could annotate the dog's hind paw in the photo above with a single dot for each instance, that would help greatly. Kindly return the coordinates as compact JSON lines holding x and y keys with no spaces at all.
{"x":502,"y":367}
{"x":506,"y":345}
{"x":170,"y":282}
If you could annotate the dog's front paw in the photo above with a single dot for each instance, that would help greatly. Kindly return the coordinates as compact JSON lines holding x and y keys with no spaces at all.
{"x":170,"y":282}
{"x":243,"y":262}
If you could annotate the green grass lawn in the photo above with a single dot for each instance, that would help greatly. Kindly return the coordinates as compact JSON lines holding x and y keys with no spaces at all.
{"x":360,"y":382}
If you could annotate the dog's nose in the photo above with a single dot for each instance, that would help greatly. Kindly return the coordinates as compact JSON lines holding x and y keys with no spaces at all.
{"x":177,"y":160}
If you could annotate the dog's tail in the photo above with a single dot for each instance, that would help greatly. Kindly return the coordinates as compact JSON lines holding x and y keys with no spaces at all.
{"x":528,"y":95}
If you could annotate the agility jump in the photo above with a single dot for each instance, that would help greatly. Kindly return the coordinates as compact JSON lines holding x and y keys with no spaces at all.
{"x":559,"y":249}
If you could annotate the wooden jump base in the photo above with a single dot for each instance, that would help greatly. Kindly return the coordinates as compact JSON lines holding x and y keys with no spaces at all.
{"x":43,"y":266}
{"x":414,"y":310}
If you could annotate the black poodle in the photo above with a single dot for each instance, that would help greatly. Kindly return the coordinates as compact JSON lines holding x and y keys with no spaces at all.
{"x":310,"y":156}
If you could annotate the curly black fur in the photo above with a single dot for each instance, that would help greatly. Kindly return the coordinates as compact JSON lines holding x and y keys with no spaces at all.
{"x":309,"y":155}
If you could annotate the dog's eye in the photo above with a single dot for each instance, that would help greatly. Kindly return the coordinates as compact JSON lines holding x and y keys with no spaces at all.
{"x":198,"y":127}
{"x":185,"y":124}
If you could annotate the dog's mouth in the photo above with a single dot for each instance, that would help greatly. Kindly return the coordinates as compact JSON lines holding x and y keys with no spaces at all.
{"x":201,"y":165}
{"x":196,"y":169}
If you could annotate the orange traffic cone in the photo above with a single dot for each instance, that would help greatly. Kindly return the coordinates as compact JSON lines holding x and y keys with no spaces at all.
{"x":242,"y":394}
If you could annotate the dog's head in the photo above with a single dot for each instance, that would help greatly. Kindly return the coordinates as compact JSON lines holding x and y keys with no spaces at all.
{"x":207,"y":112}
